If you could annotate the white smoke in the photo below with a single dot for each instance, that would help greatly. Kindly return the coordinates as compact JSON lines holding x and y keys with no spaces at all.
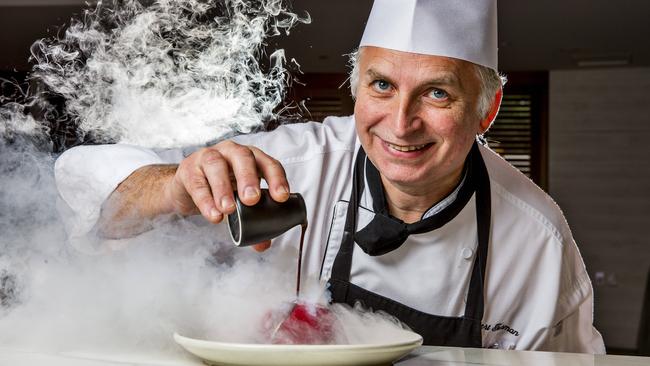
{"x":168,"y":74}
{"x":182,"y":276}
{"x":174,"y":73}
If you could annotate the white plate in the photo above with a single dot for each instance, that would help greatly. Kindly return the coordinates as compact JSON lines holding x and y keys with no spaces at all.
{"x":221,"y":353}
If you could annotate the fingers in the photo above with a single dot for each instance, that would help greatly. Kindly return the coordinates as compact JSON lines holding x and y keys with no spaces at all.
{"x":260,"y":247}
{"x":198,"y":188}
{"x":205,"y":180}
{"x":244,"y":167}
{"x":273,"y":173}
{"x":216,"y":170}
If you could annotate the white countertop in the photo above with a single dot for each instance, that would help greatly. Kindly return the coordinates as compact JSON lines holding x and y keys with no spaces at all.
{"x":452,"y":356}
{"x":429,"y":356}
{"x":12,"y":357}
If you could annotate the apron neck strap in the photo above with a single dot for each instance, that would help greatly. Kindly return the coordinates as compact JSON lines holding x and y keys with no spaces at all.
{"x":474,"y":309}
{"x":343,"y":262}
{"x":475,"y":304}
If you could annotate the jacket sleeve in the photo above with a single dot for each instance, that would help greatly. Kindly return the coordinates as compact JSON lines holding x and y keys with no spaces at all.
{"x":575,"y":332}
{"x":87,"y":175}
{"x":572,"y":329}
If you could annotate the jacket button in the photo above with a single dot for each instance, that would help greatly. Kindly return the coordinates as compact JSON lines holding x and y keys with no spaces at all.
{"x":467,"y":253}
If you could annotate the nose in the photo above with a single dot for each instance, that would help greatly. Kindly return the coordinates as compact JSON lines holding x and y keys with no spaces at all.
{"x":405,"y":116}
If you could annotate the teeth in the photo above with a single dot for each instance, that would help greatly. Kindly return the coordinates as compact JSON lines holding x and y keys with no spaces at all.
{"x":406,"y":148}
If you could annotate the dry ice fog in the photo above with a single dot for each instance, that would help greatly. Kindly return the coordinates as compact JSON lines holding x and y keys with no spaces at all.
{"x":161,"y":74}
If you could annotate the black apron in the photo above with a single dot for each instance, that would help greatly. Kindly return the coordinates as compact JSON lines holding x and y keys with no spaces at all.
{"x":436,"y":330}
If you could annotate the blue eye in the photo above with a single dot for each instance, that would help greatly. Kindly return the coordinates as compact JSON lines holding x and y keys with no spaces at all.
{"x":381,"y":85}
{"x":438,"y":94}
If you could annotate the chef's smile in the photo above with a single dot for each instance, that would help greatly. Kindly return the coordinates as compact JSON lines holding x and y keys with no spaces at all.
{"x":405,"y":150}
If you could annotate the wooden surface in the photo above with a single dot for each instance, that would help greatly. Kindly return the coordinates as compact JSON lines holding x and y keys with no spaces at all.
{"x":599,"y":173}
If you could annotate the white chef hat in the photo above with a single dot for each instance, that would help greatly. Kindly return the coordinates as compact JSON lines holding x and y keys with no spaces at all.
{"x":462,"y":29}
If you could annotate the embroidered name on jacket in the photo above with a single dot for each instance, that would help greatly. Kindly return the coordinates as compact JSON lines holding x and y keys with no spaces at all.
{"x":499,"y":327}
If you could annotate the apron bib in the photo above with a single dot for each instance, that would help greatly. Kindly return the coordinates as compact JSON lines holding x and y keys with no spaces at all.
{"x":436,"y":330}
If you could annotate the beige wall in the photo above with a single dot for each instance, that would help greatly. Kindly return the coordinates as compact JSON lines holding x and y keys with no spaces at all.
{"x":599,"y":173}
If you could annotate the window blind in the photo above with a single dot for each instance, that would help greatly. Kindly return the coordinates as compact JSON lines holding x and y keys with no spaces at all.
{"x":320,"y":107}
{"x":511,"y":134}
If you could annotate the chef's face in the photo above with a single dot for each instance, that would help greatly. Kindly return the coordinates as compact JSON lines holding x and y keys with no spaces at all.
{"x":416,"y":115}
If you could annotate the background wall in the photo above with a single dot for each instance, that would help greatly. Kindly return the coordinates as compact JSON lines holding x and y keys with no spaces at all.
{"x":599,"y":173}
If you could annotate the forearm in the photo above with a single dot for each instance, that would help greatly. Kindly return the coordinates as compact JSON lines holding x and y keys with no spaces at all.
{"x":139,"y":199}
{"x":201,"y":184}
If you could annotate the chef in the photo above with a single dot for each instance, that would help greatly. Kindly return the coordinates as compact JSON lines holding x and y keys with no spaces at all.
{"x":409,"y":212}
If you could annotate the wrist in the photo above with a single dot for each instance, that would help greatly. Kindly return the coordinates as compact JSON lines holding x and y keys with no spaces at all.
{"x":154,"y":182}
{"x":159,"y":198}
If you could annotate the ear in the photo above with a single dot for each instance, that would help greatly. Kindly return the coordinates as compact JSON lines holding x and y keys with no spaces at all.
{"x":487,"y":122}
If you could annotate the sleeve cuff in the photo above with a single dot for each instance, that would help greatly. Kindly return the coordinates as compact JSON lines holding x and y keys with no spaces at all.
{"x":87,"y":175}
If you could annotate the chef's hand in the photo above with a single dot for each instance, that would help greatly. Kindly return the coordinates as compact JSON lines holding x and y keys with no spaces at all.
{"x":204,"y":181}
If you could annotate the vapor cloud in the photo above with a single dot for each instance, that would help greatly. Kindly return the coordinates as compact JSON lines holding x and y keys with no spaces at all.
{"x":167,"y":74}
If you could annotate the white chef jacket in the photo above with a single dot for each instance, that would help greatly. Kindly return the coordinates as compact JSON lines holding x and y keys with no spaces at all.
{"x":538,"y":295}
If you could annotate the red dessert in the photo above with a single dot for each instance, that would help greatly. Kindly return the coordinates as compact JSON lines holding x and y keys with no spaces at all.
{"x":304,"y":324}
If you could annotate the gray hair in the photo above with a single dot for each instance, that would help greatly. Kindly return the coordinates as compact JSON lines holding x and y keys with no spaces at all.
{"x":490,"y":80}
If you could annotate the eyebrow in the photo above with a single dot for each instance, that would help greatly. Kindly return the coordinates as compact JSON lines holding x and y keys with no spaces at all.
{"x":375,"y":75}
{"x":444,"y":79}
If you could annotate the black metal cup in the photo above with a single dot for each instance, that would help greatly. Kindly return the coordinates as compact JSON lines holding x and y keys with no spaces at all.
{"x":266,"y":219}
